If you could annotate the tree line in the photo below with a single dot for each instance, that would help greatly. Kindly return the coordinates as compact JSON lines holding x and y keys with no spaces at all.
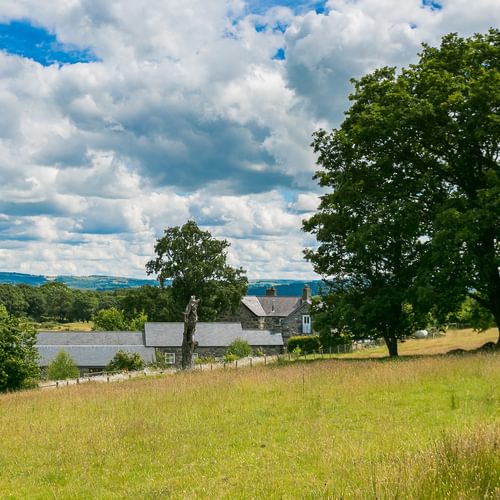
{"x":56,"y":302}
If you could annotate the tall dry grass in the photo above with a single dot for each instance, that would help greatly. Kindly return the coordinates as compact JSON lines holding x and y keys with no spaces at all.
{"x":331,"y":429}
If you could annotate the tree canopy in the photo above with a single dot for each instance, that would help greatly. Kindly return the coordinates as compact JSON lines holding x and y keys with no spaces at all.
{"x":18,"y":354}
{"x":411,"y":221}
{"x":196,"y":263}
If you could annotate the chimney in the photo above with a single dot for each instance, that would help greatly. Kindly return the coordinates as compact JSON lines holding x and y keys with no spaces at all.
{"x":306,"y":294}
{"x":271,"y":292}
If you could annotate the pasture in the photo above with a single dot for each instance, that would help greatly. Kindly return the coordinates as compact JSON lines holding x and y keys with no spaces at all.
{"x":409,"y":428}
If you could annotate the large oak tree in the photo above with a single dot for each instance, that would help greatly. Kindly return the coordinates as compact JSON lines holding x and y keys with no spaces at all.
{"x":412,"y":217}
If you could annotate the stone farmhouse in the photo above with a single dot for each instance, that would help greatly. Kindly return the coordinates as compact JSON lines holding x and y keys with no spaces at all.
{"x":211,"y":339}
{"x":92,"y":351}
{"x":287,"y":315}
{"x":266,"y":323}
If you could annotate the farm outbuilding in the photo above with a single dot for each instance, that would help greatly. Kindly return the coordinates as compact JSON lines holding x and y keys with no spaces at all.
{"x":94,"y":350}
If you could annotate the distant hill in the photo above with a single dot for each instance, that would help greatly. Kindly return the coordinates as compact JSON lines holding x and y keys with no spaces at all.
{"x":283,"y":287}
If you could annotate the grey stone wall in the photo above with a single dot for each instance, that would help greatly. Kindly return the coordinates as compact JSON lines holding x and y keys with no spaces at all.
{"x":216,"y":352}
{"x":292,"y":325}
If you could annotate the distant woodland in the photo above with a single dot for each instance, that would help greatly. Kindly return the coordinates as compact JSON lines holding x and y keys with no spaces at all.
{"x":56,"y":302}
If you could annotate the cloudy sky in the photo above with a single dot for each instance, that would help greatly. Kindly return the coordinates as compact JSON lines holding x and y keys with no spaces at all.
{"x":120,"y":118}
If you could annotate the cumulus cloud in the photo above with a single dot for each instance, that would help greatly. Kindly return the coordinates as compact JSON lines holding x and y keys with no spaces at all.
{"x":186,"y":113}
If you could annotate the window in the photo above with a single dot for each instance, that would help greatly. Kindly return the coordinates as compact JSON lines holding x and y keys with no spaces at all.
{"x":170,"y":358}
{"x":195,"y":355}
{"x":306,"y":323}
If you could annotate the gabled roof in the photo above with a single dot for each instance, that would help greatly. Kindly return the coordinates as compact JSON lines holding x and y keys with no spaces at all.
{"x":254,"y":305}
{"x":272,"y":306}
{"x":91,"y":349}
{"x":208,"y":335}
{"x":90,"y":338}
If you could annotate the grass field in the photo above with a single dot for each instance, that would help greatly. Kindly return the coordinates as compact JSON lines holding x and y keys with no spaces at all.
{"x":76,"y":326}
{"x":414,"y":428}
{"x":466,"y":339}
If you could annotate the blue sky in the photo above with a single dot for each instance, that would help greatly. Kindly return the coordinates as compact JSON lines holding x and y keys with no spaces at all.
{"x":23,"y":39}
{"x":122,"y":118}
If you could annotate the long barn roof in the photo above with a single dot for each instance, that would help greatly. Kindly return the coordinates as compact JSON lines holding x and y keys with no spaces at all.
{"x":208,"y":335}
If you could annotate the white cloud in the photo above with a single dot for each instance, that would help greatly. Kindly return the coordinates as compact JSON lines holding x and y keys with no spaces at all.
{"x":186,"y":115}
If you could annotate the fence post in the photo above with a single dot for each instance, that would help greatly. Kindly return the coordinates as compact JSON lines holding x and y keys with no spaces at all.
{"x":265,"y":359}
{"x":330,"y":350}
{"x":211,"y":367}
{"x":107,"y":378}
{"x":77,"y":380}
{"x":201,"y":367}
{"x":251,"y":362}
{"x":224,"y":365}
{"x":57,"y":384}
{"x":236,"y":361}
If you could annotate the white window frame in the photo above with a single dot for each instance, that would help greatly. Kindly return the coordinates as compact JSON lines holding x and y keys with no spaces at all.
{"x":306,"y":324}
{"x":169,"y":358}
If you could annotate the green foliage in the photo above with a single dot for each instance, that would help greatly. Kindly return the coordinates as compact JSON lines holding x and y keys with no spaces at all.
{"x":411,"y":219}
{"x":231,"y":358}
{"x":62,"y":367}
{"x":259,"y":352}
{"x":155,"y":302}
{"x":114,"y":320}
{"x":110,"y":320}
{"x":18,"y":354}
{"x":196,"y":264}
{"x":472,"y":314}
{"x":137,"y":324}
{"x":123,"y":360}
{"x":306,"y":343}
{"x":240,"y":348}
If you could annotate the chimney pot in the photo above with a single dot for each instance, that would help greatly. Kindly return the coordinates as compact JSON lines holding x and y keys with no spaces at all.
{"x":271,"y":292}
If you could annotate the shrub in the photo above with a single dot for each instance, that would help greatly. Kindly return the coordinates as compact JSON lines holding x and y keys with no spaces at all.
{"x":125,"y":361}
{"x":306,"y":343}
{"x":240,"y":348}
{"x":259,"y":352}
{"x":230,"y":358}
{"x":159,"y":361}
{"x":62,"y":367}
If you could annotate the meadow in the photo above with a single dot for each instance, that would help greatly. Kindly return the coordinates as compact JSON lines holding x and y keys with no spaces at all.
{"x":424,"y":427}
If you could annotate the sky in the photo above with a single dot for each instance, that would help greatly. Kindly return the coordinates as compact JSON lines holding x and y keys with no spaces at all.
{"x":119,"y":119}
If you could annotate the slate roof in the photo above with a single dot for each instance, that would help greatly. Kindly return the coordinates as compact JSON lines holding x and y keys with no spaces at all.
{"x":272,"y":306}
{"x":208,"y":335}
{"x":91,"y":349}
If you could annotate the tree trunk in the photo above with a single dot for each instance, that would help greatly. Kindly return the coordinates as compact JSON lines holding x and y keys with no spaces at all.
{"x":190,"y":320}
{"x":392,"y":346}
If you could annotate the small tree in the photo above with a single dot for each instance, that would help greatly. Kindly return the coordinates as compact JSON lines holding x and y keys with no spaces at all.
{"x":239,"y":347}
{"x":18,"y":354}
{"x":195,"y":261}
{"x":123,"y":360}
{"x":62,"y":367}
{"x":109,"y":320}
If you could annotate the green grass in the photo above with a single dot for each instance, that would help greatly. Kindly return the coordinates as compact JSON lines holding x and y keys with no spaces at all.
{"x":466,"y":339}
{"x":415,"y":428}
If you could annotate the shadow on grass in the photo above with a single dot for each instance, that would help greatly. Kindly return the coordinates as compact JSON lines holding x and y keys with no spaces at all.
{"x":487,"y":348}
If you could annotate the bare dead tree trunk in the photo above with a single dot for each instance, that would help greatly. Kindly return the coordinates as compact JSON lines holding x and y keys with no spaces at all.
{"x":190,"y":320}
